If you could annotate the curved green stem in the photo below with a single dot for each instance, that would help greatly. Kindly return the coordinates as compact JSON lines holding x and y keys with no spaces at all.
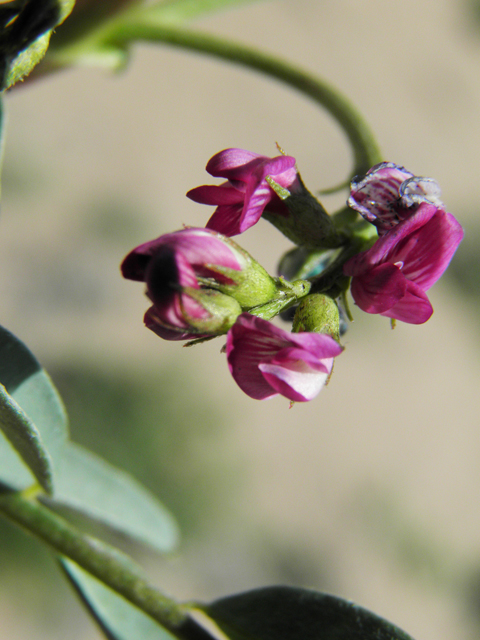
{"x":366,"y":152}
{"x":104,"y":562}
{"x":141,"y":24}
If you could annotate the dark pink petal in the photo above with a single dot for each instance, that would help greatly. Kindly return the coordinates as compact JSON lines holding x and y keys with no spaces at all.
{"x":201,"y":247}
{"x":244,"y":198}
{"x":414,"y":307}
{"x":427,"y":252}
{"x":385,"y":248}
{"x":243,"y":361}
{"x":319,"y":345}
{"x":227,"y":220}
{"x":417,"y":241}
{"x":216,"y":194}
{"x":379,"y":289}
{"x":257,"y":197}
{"x":171,"y":266}
{"x":281,"y":168}
{"x":136,"y":262}
{"x":267,"y":333}
{"x":230,"y":163}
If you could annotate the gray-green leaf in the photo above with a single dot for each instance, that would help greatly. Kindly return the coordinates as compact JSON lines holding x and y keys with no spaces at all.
{"x":32,"y":418}
{"x":118,"y":619}
{"x":100,"y":491}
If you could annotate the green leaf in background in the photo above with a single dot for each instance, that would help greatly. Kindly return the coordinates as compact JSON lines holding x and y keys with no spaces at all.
{"x":26,"y":27}
{"x":93,"y":35}
{"x":80,"y":39}
{"x":32,"y":417}
{"x":297,"y":614}
{"x":98,"y":490}
{"x":178,"y":11}
{"x":117,"y":618}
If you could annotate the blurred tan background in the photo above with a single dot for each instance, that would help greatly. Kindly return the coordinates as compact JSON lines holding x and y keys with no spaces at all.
{"x":371,"y":491}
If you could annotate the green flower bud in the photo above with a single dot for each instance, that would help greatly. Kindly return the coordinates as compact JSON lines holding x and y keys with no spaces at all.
{"x":317,"y":313}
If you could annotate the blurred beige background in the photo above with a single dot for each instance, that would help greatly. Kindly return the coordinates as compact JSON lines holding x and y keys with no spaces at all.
{"x":372,"y":491}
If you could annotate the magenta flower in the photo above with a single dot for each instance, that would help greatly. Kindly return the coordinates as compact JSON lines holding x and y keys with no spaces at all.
{"x":171,"y":266}
{"x":246,"y":194}
{"x":393,"y":276}
{"x":388,"y":194}
{"x":265,"y":360}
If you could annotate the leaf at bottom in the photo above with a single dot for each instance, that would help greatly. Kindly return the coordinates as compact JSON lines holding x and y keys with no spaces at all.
{"x":288,"y":613}
{"x":117,"y":618}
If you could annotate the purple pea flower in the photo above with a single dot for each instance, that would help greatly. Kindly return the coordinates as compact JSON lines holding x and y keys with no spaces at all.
{"x":388,"y":194}
{"x":174,"y":268}
{"x":392,"y":277}
{"x":246,"y":194}
{"x":265,"y":360}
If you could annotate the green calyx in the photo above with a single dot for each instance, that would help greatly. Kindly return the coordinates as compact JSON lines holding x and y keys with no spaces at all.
{"x":317,"y":313}
{"x":251,"y":285}
{"x":307,"y":223}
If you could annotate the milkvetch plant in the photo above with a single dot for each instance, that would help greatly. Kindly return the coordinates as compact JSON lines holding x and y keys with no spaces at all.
{"x":386,"y":247}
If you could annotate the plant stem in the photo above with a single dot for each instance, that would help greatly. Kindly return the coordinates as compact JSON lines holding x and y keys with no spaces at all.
{"x":135,"y":24}
{"x":366,"y":152}
{"x":106,"y":563}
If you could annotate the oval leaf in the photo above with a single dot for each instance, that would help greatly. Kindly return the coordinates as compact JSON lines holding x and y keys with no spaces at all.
{"x":100,"y":491}
{"x":117,"y":618}
{"x":291,"y":614}
{"x":24,"y":436}
{"x":34,"y":399}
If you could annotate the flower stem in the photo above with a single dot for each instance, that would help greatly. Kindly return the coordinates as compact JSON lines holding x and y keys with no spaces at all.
{"x":104,"y":562}
{"x":137,"y":23}
{"x":359,"y":134}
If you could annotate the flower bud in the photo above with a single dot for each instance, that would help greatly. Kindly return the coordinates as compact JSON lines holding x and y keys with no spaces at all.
{"x":317,"y":313}
{"x":198,"y":281}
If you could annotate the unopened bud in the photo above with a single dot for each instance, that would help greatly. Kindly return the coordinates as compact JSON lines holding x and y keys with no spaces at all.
{"x":317,"y":313}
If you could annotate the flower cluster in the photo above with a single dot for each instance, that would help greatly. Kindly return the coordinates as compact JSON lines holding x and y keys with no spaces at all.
{"x":202,"y":284}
